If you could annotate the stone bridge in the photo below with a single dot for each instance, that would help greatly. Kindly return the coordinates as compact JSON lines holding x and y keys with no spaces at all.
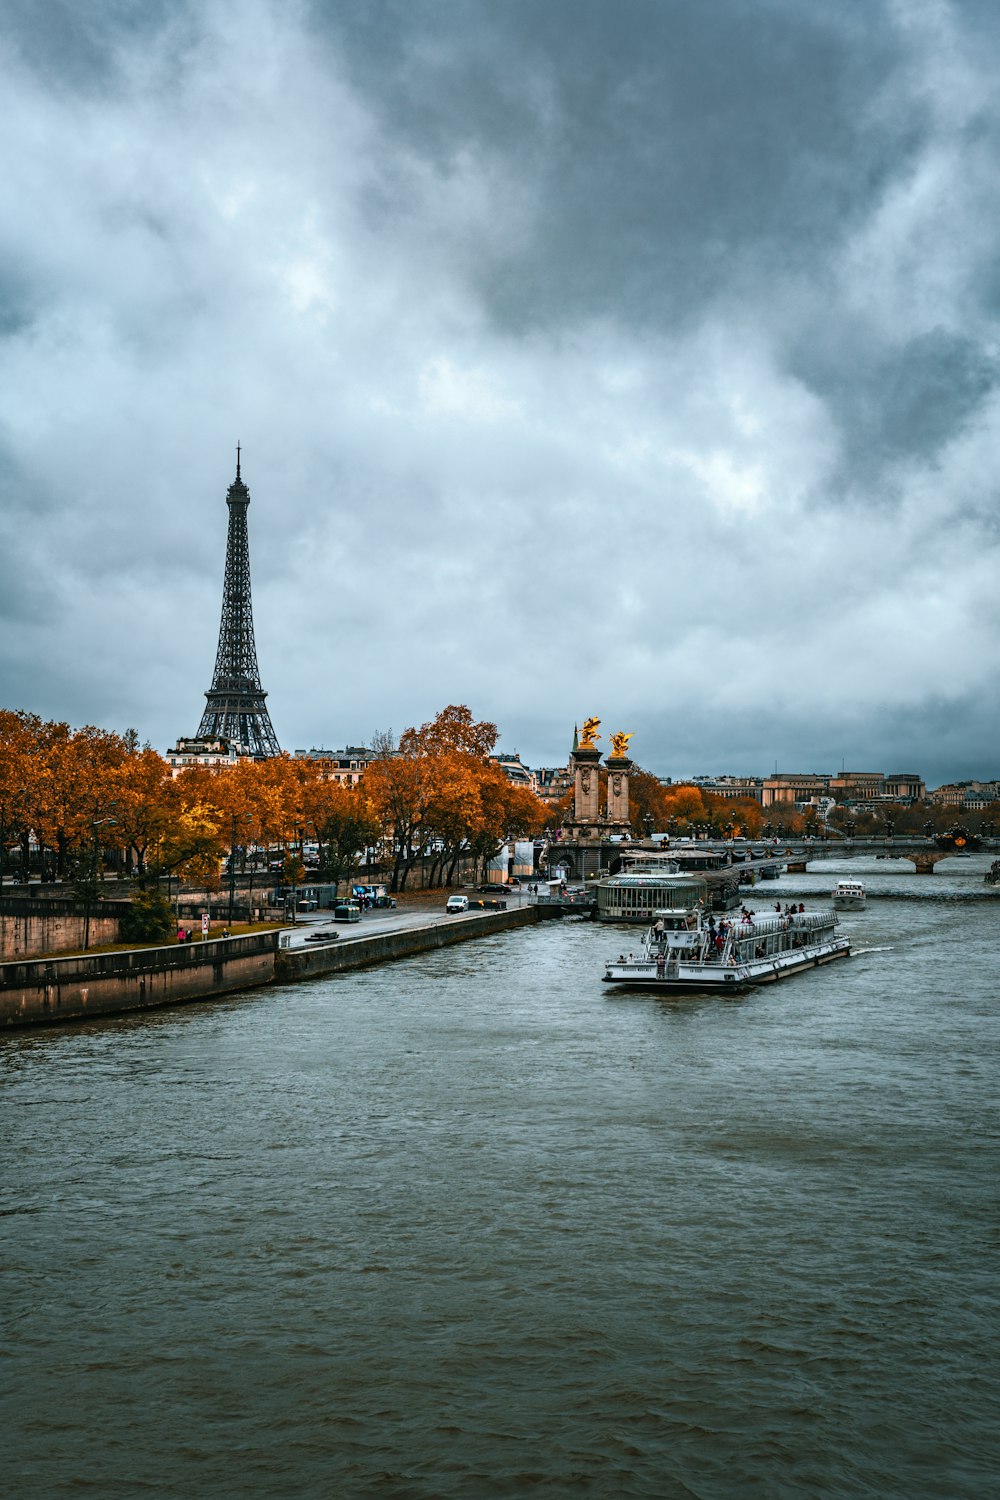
{"x":924,"y":853}
{"x":585,"y":858}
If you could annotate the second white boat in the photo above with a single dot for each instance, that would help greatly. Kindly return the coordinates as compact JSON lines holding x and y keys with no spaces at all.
{"x":849,"y":895}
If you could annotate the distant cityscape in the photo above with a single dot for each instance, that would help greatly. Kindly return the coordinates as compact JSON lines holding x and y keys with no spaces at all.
{"x":862,"y":791}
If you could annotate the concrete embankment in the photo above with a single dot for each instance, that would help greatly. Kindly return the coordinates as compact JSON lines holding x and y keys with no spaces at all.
{"x":102,"y":984}
{"x":381,"y":947}
{"x":43,"y":991}
{"x":36,"y":925}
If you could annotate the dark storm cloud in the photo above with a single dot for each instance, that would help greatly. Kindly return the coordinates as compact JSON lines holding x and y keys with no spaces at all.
{"x":78,"y":46}
{"x":681,"y":156}
{"x":638,"y":359}
{"x":678,"y":152}
{"x":901,"y":402}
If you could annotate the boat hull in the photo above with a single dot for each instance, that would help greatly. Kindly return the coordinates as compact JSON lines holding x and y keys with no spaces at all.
{"x":848,"y":903}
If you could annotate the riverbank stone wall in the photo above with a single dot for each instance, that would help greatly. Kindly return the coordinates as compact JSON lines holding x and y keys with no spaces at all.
{"x":32,"y":926}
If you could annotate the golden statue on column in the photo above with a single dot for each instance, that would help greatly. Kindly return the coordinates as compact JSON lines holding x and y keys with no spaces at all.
{"x":589,"y":735}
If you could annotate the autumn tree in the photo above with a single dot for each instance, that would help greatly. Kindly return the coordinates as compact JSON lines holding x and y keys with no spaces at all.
{"x":74,"y":790}
{"x":441,"y":792}
{"x":193,"y":844}
{"x":507,"y":812}
{"x":683,"y":806}
{"x":399,"y":792}
{"x":142,"y":795}
{"x":20,"y":735}
{"x":341,"y":820}
{"x":738,"y":817}
{"x":646,"y":801}
{"x":746,"y":815}
{"x":453,"y":731}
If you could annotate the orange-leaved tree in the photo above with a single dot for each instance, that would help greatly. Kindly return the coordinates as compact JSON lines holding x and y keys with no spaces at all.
{"x":144,"y":806}
{"x":74,"y":805}
{"x":20,"y":737}
{"x":398,"y":790}
{"x":341,"y":821}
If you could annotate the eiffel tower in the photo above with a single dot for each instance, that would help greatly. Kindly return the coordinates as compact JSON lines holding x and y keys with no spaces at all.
{"x":235,"y":709}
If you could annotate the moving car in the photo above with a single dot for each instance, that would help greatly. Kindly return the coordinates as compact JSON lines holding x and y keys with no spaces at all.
{"x":457,"y":904}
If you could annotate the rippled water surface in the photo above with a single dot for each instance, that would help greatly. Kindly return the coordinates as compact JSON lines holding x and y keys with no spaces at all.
{"x":469,"y":1225}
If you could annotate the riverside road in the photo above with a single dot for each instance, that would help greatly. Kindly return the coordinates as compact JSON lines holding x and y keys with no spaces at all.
{"x":401,"y":919}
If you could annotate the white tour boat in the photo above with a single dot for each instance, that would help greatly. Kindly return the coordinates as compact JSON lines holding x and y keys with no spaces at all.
{"x":849,"y":895}
{"x":693,"y":950}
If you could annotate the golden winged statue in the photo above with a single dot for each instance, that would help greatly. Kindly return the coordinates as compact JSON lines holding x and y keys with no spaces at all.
{"x":589,"y":735}
{"x":619,"y":743}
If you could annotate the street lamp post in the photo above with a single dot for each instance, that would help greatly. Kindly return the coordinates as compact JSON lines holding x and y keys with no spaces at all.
{"x":232,"y":870}
{"x":91,"y":884}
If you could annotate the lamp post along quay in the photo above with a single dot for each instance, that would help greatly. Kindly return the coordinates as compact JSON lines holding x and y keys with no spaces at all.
{"x":90,"y":885}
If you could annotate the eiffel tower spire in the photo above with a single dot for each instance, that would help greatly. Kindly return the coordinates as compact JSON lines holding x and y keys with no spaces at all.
{"x":235,"y":709}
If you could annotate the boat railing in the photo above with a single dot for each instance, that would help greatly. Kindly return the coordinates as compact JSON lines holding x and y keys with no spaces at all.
{"x":811,"y":921}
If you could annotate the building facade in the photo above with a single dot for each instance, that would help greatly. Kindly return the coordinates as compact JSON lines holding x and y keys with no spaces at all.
{"x":346,"y":766}
{"x":553,"y":782}
{"x":971,"y":795}
{"x":213,"y":753}
{"x":793,"y":788}
{"x":515,"y":770}
{"x":746,"y":788}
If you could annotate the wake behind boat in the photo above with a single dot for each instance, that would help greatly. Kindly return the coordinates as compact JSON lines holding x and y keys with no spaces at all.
{"x":691,"y":950}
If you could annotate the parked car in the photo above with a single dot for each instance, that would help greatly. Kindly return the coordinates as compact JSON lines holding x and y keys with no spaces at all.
{"x":457,"y":904}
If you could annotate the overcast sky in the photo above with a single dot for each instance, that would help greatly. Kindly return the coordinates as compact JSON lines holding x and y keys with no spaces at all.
{"x":636,"y":359}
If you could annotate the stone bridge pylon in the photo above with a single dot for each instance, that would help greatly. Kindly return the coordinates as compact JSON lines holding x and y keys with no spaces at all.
{"x":589,"y":820}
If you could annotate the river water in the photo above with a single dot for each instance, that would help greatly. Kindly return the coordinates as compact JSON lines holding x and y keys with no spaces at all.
{"x":469,"y":1225}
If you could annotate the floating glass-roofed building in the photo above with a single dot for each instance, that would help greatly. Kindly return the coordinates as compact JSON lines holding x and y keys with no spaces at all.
{"x":650,"y":884}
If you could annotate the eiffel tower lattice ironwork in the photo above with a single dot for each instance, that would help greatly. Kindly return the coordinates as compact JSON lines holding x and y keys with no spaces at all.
{"x":235,"y":709}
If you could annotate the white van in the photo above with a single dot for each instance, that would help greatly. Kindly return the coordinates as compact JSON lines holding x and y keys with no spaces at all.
{"x":457,"y":903}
